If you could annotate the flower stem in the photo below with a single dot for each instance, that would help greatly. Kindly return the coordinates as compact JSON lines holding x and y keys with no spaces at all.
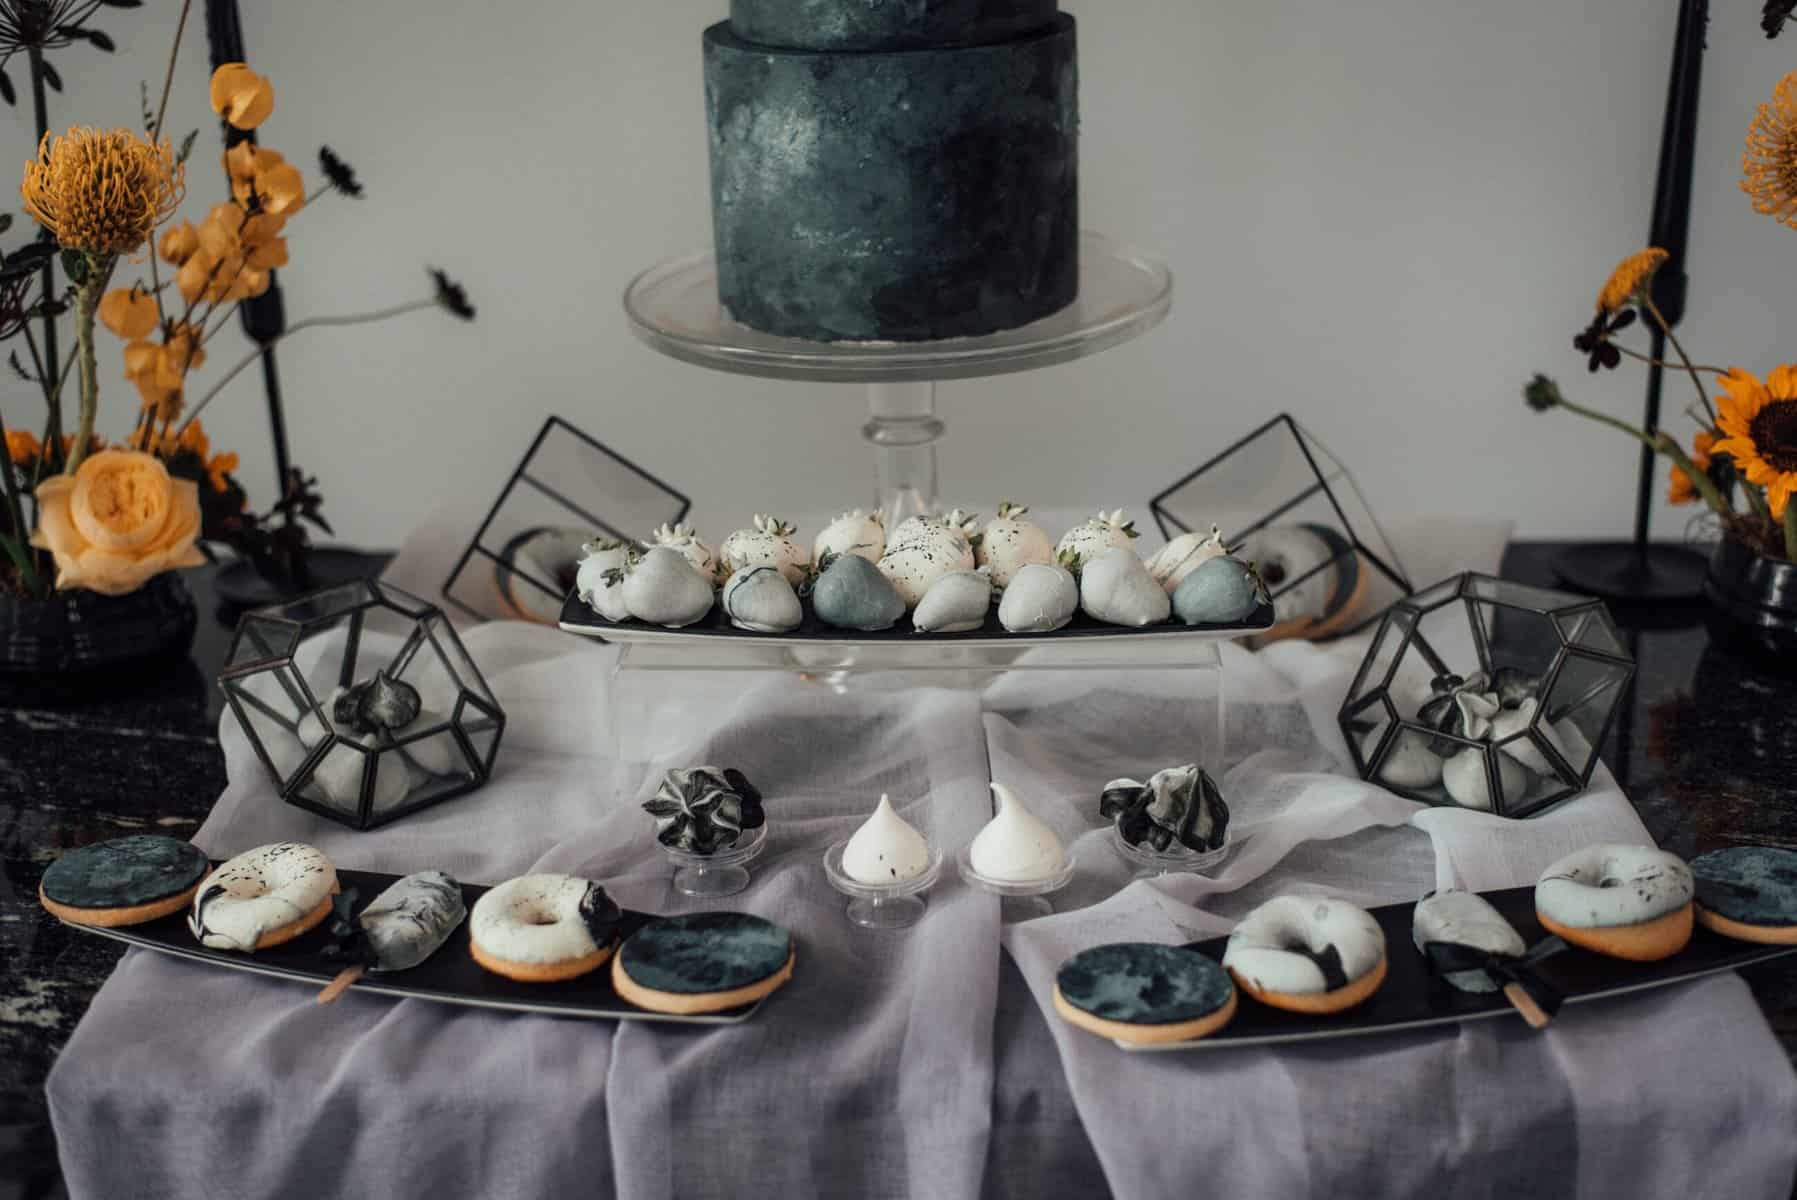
{"x":1665,"y":328}
{"x":87,"y":302}
{"x":168,"y":81}
{"x":379,"y":314}
{"x":1651,"y":361}
{"x":1791,"y":529}
{"x":1662,"y":444}
{"x":16,"y":544}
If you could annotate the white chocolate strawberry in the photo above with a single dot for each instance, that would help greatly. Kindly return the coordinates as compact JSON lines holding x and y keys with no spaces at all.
{"x":682,"y":538}
{"x":1010,"y":543}
{"x":924,"y":549}
{"x":769,"y":543}
{"x":1183,"y":555}
{"x":600,"y":580}
{"x":1093,"y":536}
{"x":854,"y":532}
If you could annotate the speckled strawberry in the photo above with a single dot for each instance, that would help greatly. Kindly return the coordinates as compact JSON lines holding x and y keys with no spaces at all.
{"x":600,"y":580}
{"x":1010,"y":543}
{"x":682,"y":538}
{"x":854,"y":532}
{"x":1093,"y":536}
{"x":768,"y":543}
{"x":924,"y":549}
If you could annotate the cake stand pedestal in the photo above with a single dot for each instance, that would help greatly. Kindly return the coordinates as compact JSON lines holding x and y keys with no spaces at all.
{"x":674,"y":308}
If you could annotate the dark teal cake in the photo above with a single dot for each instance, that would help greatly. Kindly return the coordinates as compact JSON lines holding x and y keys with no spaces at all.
{"x":895,"y":195}
{"x":885,"y":24}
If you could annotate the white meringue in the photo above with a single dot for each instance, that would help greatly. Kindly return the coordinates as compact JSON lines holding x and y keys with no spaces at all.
{"x":1016,"y":846}
{"x":886,"y":849}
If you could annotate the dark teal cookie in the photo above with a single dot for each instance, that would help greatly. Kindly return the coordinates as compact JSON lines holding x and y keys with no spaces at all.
{"x":1140,"y":983}
{"x":124,"y":872}
{"x":704,"y":952}
{"x":1755,"y":885}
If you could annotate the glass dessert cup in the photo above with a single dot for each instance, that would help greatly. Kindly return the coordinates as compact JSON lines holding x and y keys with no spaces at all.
{"x":882,"y":905}
{"x":1176,"y":860}
{"x":1020,"y":899}
{"x":721,"y":873}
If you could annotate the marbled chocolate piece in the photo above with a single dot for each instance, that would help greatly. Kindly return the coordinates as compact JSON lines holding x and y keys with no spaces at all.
{"x":705,"y":952}
{"x":124,"y":872}
{"x":885,"y":24}
{"x":1142,"y":983}
{"x":894,"y":196}
{"x":1755,"y":885}
{"x":406,"y":923}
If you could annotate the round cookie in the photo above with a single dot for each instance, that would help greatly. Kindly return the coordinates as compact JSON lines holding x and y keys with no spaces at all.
{"x":1144,"y":993}
{"x":703,"y":962}
{"x":1307,"y":954}
{"x":1631,"y":902}
{"x":543,"y":928}
{"x":1748,"y":893}
{"x":125,"y":881}
{"x":263,"y":897}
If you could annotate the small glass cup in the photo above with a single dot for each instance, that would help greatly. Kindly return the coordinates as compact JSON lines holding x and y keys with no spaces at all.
{"x":721,"y":873}
{"x":1175,"y":860}
{"x":882,"y":905}
{"x":1019,"y":900}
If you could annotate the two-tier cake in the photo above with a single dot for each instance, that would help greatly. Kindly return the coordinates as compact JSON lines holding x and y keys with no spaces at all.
{"x":893,"y":170}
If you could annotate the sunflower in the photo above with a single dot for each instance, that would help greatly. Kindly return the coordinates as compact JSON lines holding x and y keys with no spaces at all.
{"x":102,"y":192}
{"x":1760,"y":421}
{"x":1683,"y":491}
{"x":1769,"y":164}
{"x":1630,"y":278}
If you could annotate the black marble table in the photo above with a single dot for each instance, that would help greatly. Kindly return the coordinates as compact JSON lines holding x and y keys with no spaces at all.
{"x":1706,"y":749}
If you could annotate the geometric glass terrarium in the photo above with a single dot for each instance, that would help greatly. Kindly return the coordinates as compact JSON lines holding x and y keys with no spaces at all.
{"x":1487,"y":694}
{"x":362,"y":703}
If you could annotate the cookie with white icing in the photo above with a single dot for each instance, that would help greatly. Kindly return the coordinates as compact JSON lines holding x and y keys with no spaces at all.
{"x":1630,"y":902}
{"x":703,"y":962}
{"x":1144,"y":993}
{"x":1307,"y":954}
{"x":124,"y":881}
{"x":543,"y":928}
{"x":263,"y":897}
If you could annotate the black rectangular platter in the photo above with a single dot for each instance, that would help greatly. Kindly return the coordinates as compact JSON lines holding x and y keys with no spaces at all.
{"x":450,"y":976}
{"x":578,"y":617}
{"x":1412,"y":998}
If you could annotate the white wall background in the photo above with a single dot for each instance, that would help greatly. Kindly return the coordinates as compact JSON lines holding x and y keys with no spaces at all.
{"x":1381,"y":216}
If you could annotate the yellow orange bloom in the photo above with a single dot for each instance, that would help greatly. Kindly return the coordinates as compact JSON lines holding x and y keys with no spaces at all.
{"x":241,"y":96}
{"x":129,"y":312}
{"x":1630,"y":278}
{"x":21,"y":447}
{"x":1760,"y":424}
{"x":183,"y":349}
{"x":179,"y":243}
{"x":102,"y":192}
{"x":219,"y":468}
{"x":1683,"y":491}
{"x":262,"y":179}
{"x":1769,"y":164}
{"x":118,"y":521}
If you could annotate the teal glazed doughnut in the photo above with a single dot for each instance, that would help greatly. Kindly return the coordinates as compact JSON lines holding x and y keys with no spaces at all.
{"x":1748,"y":892}
{"x":125,"y":881}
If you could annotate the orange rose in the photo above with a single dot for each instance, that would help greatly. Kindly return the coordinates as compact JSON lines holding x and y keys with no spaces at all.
{"x":117,"y":522}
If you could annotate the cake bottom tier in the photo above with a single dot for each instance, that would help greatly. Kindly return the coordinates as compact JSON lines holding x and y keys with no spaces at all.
{"x":902,"y":196}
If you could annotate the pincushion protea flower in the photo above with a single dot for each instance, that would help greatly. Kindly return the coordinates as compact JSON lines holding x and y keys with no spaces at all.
{"x":102,"y":192}
{"x":1769,"y":164}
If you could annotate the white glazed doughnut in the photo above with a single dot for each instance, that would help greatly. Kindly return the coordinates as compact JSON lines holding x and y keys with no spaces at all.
{"x":263,"y":897}
{"x":540,"y":928}
{"x":1625,"y":901}
{"x":1307,"y":954}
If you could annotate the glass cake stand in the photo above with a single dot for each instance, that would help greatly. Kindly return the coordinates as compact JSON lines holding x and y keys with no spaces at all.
{"x":882,"y":906}
{"x":723,"y":873}
{"x":1018,"y":900}
{"x":1122,"y":294}
{"x":1151,"y":863}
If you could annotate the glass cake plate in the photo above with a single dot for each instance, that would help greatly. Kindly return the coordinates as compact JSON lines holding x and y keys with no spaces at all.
{"x":882,"y":906}
{"x":721,"y":873}
{"x":1018,"y":899}
{"x":1150,"y":863}
{"x":674,"y":307}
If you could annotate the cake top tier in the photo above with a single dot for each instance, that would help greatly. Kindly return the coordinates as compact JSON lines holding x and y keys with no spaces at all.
{"x":885,"y":24}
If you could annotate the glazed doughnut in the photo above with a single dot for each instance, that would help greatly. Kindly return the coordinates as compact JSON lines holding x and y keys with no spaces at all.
{"x":542,"y":928}
{"x":1144,"y":993}
{"x":1307,"y":954}
{"x":1748,"y":893}
{"x":264,"y":897}
{"x":1630,"y":902}
{"x":125,"y":881}
{"x":703,"y":962}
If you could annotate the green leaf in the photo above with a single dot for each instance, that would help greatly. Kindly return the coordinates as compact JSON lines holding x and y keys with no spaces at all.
{"x":7,"y":92}
{"x":100,"y":41}
{"x":74,"y":264}
{"x":50,"y":75}
{"x":187,"y":145}
{"x":5,"y":221}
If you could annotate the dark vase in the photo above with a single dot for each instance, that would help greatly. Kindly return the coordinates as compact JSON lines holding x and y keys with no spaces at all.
{"x":80,"y":631}
{"x":1753,"y":602}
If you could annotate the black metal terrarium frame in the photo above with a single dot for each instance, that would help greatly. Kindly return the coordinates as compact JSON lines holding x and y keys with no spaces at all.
{"x":257,"y":651}
{"x":1353,"y":542}
{"x":1573,"y":623}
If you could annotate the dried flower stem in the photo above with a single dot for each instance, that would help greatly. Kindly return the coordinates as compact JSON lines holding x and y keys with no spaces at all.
{"x":87,"y":300}
{"x":1662,"y":444}
{"x":1666,"y":328}
{"x":168,"y":79}
{"x":379,"y":314}
{"x":1651,"y":361}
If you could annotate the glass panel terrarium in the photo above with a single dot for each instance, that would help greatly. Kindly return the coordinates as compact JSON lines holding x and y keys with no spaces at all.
{"x":362,"y":703}
{"x":1486,"y":694}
